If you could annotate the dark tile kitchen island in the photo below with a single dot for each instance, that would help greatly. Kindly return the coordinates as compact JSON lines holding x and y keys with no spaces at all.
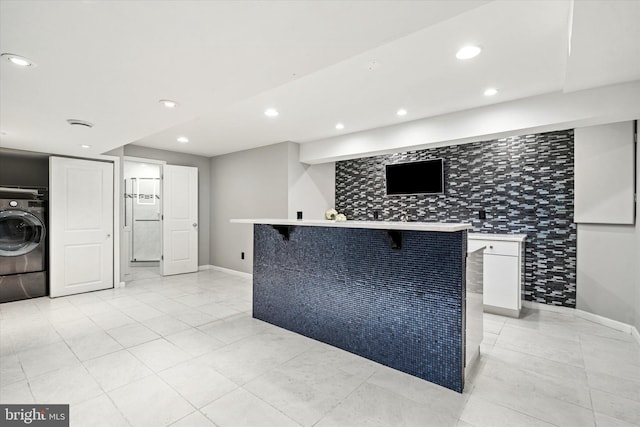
{"x":391,"y":292}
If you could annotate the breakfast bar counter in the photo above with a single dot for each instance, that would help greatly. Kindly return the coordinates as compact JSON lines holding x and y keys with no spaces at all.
{"x":392,"y":292}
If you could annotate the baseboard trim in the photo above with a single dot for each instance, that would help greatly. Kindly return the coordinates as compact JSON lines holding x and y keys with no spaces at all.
{"x":234,"y":272}
{"x":501,"y":311}
{"x":205,"y":267}
{"x":613,"y":324}
{"x":547,"y":307}
{"x":595,"y":318}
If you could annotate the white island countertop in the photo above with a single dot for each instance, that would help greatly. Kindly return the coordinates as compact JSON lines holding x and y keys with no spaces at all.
{"x":376,"y":225}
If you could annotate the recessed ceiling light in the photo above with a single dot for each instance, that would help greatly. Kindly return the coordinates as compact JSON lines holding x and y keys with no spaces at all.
{"x":19,"y":60}
{"x":85,"y":146}
{"x":401,"y":112}
{"x":271,"y":112}
{"x":468,"y":52}
{"x":339,"y":126}
{"x":168,"y":103}
{"x":182,"y":139}
{"x":490,"y":91}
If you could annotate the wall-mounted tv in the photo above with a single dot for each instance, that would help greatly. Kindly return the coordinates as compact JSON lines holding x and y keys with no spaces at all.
{"x":423,"y":177}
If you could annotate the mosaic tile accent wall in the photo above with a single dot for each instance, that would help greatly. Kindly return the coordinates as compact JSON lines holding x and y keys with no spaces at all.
{"x":350,"y":289}
{"x":524,"y":184}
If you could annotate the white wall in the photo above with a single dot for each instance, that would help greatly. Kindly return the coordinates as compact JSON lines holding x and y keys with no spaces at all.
{"x":311,"y":187}
{"x":608,"y":269}
{"x":245,"y":184}
{"x":543,"y":113}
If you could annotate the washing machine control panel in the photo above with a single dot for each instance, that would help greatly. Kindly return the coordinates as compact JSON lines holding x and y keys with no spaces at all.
{"x":13,"y":203}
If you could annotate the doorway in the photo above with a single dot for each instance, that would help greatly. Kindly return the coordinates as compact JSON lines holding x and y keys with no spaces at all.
{"x":142,"y":219}
{"x":160,"y":232}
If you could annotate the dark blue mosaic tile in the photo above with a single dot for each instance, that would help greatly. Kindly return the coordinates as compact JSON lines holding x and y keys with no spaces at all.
{"x":350,"y":289}
{"x":523,"y":183}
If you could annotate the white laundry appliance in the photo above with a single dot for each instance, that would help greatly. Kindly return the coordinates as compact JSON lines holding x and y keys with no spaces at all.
{"x":22,"y":248}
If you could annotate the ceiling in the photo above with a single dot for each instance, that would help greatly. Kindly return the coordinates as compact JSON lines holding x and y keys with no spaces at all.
{"x":317,"y":62}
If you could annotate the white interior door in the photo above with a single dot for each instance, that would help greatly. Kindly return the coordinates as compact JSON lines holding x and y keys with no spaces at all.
{"x":180,"y":225}
{"x":80,"y":225}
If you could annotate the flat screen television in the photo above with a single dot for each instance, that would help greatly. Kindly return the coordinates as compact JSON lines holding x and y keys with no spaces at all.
{"x":423,"y":177}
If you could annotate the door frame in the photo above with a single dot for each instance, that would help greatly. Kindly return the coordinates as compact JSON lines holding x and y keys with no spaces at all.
{"x":117,"y":283}
{"x":161,"y":164}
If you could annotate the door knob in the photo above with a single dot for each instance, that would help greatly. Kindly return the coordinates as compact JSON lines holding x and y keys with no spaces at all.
{"x":195,"y":224}
{"x":108,"y":235}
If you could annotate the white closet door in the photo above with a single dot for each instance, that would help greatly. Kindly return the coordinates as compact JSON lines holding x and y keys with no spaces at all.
{"x":180,"y":225}
{"x":80,"y":225}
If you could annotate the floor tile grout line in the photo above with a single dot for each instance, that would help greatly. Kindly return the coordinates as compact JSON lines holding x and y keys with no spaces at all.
{"x":270,"y":405}
{"x":366,"y":380}
{"x":262,"y":332}
{"x":124,"y":417}
{"x":529,"y":354}
{"x":518,"y":411}
{"x":282,"y":364}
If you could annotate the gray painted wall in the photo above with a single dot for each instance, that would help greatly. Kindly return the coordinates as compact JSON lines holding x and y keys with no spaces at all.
{"x":608,"y":269}
{"x":245,"y":184}
{"x":607,"y":273}
{"x":312,"y":188}
{"x":204,"y":190}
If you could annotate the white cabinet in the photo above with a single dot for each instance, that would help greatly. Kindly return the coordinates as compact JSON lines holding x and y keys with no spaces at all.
{"x":604,"y":174}
{"x":503,"y":265}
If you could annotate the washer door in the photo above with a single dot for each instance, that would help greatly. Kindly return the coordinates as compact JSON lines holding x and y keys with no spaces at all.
{"x":20,"y":232}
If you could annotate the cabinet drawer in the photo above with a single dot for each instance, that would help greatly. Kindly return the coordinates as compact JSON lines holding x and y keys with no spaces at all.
{"x":495,"y":247}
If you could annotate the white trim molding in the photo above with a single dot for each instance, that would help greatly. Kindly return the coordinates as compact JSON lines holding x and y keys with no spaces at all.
{"x":601,"y":320}
{"x":230,"y":271}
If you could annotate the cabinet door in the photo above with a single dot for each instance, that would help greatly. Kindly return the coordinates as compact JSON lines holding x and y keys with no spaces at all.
{"x":501,"y":275}
{"x":604,"y":174}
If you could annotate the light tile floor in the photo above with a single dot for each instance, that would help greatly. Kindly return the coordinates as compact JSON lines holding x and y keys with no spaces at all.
{"x":184,"y":351}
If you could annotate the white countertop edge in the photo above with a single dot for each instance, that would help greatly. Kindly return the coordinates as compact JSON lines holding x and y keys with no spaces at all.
{"x":377,"y":225}
{"x":498,"y":237}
